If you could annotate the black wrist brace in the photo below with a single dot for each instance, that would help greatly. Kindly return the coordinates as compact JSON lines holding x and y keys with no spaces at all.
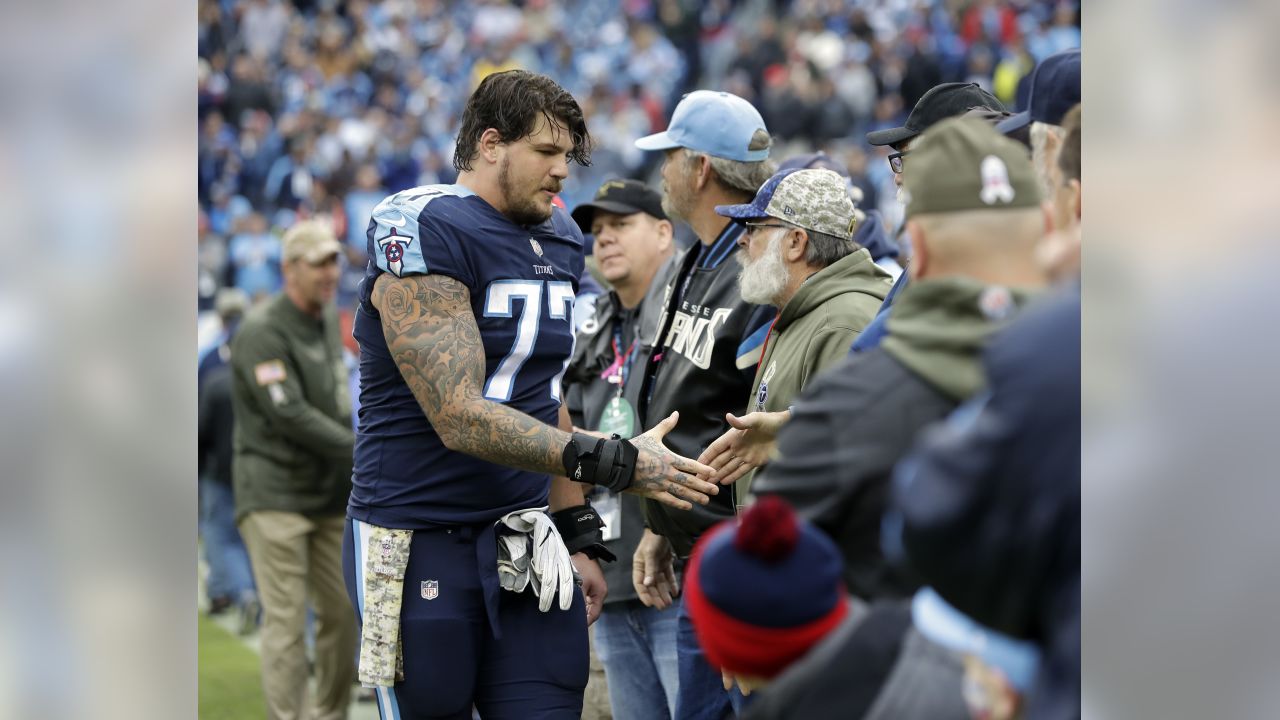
{"x":610,"y":463}
{"x":581,"y":529}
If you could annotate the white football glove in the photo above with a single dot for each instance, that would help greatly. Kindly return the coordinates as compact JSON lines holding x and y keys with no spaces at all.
{"x":547,"y":564}
{"x":513,"y":561}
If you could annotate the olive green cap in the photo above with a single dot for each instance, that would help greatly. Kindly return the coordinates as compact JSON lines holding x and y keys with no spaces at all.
{"x":965,"y":164}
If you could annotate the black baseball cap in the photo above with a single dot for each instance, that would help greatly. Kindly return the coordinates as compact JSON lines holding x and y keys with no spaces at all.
{"x":941,"y":102}
{"x":1055,"y":89}
{"x":620,"y":197}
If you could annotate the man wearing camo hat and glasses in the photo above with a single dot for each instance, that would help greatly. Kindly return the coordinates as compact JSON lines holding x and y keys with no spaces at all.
{"x":798,"y":255}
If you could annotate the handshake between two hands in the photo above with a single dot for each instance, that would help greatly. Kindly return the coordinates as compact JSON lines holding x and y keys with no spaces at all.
{"x":675,"y":480}
{"x":678,"y":481}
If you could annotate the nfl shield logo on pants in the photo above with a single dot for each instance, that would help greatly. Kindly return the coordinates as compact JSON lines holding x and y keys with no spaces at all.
{"x":430,"y":589}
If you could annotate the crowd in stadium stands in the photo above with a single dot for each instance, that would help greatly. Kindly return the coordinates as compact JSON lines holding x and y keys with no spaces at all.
{"x":902,"y":534}
{"x":323,"y":108}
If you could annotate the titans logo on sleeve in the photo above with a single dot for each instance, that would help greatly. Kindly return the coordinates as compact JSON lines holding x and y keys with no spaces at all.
{"x":395,"y":241}
{"x":522,"y":282}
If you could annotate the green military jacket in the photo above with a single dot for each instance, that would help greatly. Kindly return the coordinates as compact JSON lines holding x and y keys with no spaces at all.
{"x":293,"y":443}
{"x":814,"y":332}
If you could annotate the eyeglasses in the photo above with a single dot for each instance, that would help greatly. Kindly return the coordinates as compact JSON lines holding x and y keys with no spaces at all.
{"x":753,"y":228}
{"x":895,"y":161}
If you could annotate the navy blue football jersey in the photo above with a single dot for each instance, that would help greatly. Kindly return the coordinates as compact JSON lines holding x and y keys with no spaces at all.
{"x":522,"y":282}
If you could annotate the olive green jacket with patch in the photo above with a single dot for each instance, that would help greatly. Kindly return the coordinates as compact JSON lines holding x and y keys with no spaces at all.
{"x":814,"y":332}
{"x":293,"y":442}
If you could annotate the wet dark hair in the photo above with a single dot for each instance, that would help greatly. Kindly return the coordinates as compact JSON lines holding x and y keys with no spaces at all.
{"x":510,"y":102}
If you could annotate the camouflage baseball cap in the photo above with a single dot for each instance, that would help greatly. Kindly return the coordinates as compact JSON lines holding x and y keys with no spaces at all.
{"x":815,"y":200}
{"x":966,"y":164}
{"x":311,"y":240}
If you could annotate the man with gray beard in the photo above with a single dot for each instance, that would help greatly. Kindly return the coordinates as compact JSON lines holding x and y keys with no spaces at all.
{"x":798,"y":255}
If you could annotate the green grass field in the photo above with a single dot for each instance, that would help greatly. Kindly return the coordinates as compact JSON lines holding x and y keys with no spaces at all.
{"x":230,"y":686}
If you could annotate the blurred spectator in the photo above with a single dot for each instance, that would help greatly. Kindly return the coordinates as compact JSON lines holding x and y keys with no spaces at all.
{"x":1015,"y":65}
{"x":367,"y":192}
{"x":922,"y":72}
{"x":211,"y":258}
{"x":989,"y":21}
{"x":987,"y":509}
{"x":399,"y":168}
{"x":217,"y":143}
{"x":212,"y":36}
{"x":230,"y":580}
{"x":759,"y":52}
{"x":771,"y":610}
{"x":248,"y":89}
{"x":230,"y":306}
{"x":980,"y":67}
{"x":855,"y":161}
{"x":1060,"y":252}
{"x":998,"y":669}
{"x":290,"y":178}
{"x":496,"y":59}
{"x":262,"y":26}
{"x":1055,"y":89}
{"x":1061,"y":32}
{"x":255,"y":257}
{"x":653,"y":61}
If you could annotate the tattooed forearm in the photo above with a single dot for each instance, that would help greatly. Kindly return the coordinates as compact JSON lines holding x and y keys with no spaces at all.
{"x":432,"y":335}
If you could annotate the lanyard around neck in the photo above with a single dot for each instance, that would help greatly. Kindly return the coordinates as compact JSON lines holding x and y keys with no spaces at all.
{"x":620,"y":368}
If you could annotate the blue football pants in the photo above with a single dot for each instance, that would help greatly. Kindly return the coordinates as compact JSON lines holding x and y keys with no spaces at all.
{"x":452,"y":660}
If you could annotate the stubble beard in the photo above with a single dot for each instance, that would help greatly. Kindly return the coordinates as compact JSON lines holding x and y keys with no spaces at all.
{"x":676,"y":203}
{"x":521,"y":209}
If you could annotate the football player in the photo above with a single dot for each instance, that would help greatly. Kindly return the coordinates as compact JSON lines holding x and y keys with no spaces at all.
{"x":465,"y":325}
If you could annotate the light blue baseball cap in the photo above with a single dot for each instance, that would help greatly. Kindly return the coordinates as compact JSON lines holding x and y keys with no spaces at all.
{"x":937,"y":620}
{"x":716,"y":123}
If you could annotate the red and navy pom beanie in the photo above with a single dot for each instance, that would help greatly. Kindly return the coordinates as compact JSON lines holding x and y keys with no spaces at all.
{"x":764,"y":589}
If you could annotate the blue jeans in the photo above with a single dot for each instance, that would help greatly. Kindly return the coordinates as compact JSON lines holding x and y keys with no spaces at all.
{"x":702,"y":695}
{"x":637,"y":646}
{"x":229,"y":572}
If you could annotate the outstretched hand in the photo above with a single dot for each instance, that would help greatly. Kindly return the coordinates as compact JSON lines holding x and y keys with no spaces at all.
{"x":745,"y":446}
{"x":666,"y":477}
